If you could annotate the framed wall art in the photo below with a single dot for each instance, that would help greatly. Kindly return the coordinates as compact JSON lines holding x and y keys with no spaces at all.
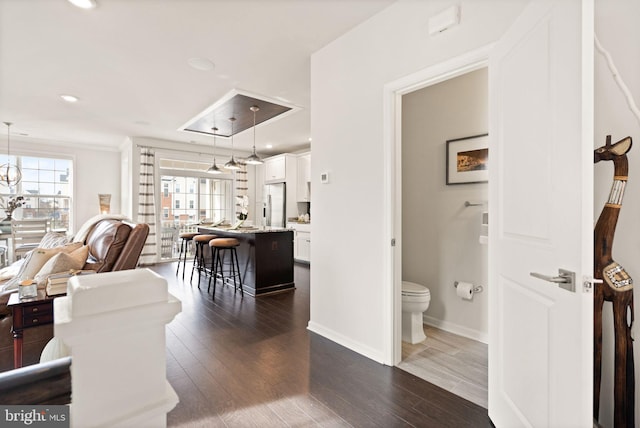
{"x":468,"y":160}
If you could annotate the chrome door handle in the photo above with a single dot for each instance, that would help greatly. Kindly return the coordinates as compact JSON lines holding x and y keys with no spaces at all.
{"x":565,"y":279}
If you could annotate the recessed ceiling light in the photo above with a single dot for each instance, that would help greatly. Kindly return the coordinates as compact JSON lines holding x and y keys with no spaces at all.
{"x":202,"y":64}
{"x":309,"y":139}
{"x":269,"y":146}
{"x":84,"y":4}
{"x":69,"y":98}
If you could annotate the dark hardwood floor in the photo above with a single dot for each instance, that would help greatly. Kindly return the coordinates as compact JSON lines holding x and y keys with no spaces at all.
{"x":251,"y":362}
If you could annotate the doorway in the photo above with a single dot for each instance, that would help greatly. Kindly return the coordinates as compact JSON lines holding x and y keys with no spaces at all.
{"x":420,"y":262}
{"x":442,"y":241}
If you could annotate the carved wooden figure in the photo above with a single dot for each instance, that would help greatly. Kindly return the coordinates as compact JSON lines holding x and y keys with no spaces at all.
{"x":617,"y":287}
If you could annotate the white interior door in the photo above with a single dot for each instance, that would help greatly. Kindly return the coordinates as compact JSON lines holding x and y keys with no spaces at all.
{"x":541,"y":203}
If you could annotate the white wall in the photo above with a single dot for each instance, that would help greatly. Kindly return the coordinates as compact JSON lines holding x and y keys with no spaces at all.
{"x":439,"y":234}
{"x":97,"y":170}
{"x":617,"y":29}
{"x":347,"y":79}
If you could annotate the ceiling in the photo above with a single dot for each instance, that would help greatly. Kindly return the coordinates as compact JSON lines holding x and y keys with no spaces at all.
{"x":127,"y":61}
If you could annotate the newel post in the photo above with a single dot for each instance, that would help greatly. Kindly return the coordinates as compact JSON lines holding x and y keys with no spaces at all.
{"x":114,"y":324}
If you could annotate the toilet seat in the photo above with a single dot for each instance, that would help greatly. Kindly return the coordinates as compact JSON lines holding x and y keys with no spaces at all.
{"x":411,"y":289}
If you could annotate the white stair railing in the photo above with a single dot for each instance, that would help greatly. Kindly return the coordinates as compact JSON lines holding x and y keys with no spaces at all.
{"x":114,"y":324}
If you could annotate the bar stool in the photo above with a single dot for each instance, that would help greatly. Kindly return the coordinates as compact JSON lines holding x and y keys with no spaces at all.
{"x":198,"y":258}
{"x":185,"y":240}
{"x":219,"y":247}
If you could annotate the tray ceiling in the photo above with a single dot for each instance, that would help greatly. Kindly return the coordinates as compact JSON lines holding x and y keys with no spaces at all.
{"x":237,"y":105}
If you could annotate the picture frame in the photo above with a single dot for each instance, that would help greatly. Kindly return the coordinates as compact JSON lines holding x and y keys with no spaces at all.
{"x":468,"y":160}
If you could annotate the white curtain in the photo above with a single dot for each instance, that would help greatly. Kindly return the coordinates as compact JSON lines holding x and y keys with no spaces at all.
{"x":146,"y":204}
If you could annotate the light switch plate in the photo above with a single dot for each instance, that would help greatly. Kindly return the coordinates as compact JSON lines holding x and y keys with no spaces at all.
{"x":324,"y":177}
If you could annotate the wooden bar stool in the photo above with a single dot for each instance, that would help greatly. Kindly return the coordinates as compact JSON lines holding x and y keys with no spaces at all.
{"x":219,"y":248}
{"x":185,"y":240}
{"x":198,"y":258}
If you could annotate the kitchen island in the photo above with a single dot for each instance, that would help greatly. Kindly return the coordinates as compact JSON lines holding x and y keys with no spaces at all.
{"x":265,"y":256}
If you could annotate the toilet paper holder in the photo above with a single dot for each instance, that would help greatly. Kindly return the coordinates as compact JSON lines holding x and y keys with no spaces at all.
{"x":476,"y":289}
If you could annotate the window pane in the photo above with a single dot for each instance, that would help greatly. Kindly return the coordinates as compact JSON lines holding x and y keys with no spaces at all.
{"x":62,"y":164}
{"x":29,"y":174}
{"x":46,"y":163}
{"x":62,"y":189}
{"x":43,"y":176}
{"x":187,"y":200}
{"x":47,"y":189}
{"x":29,"y":162}
{"x":47,"y":176}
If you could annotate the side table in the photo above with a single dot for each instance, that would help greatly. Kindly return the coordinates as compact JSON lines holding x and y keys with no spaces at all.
{"x":28,"y":313}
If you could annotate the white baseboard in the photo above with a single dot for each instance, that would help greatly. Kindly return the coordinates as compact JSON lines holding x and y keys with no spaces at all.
{"x":340,"y":339}
{"x":456,"y":329}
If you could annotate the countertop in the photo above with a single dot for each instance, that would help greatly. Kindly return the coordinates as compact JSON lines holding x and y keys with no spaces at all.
{"x":299,"y":226}
{"x":247,"y":229}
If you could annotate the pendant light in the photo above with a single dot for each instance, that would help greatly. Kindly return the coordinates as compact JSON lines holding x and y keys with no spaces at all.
{"x":213,"y":169}
{"x":254,"y":159}
{"x":10,"y":174}
{"x":232,"y":164}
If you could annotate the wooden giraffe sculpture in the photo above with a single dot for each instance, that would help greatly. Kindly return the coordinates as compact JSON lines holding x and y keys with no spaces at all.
{"x":617,"y":287}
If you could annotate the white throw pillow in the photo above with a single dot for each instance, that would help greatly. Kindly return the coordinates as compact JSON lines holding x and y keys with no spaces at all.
{"x":34,"y":260}
{"x":54,"y":239}
{"x":62,"y":262}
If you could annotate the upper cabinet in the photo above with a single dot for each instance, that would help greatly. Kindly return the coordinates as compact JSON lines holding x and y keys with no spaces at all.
{"x":275,"y":169}
{"x":304,"y":178}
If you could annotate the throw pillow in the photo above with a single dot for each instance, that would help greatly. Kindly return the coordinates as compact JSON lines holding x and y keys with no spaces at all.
{"x":34,"y":261}
{"x":53,"y":239}
{"x":62,"y":262}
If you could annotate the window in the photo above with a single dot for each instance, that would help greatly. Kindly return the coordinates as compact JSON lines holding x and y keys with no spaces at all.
{"x":46,"y":187}
{"x":190,"y":195}
{"x":213,"y":198}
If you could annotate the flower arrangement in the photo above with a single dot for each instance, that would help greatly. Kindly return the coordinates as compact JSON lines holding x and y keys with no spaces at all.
{"x":14,"y":203}
{"x":243,"y":202}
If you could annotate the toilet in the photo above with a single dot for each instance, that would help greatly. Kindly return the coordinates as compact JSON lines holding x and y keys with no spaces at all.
{"x":415,"y":300}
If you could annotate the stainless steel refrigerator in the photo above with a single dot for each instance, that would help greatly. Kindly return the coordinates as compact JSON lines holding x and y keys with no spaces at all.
{"x":274,"y":204}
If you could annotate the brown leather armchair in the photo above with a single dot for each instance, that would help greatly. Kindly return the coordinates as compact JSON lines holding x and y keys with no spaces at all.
{"x":113,"y":245}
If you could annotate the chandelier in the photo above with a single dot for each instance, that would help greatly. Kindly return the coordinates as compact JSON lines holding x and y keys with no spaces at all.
{"x":254,"y":159}
{"x":232,"y":164}
{"x":213,"y":169}
{"x":10,"y":174}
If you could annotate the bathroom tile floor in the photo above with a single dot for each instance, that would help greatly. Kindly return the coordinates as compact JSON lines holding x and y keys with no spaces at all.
{"x":449,"y":361}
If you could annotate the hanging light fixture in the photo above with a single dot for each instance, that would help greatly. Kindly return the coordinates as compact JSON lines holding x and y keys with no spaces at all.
{"x":10,"y":174}
{"x":232,"y":164}
{"x":213,"y":169}
{"x":254,"y":159}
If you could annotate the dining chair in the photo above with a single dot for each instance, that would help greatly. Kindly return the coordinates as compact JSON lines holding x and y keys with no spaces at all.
{"x":26,"y":234}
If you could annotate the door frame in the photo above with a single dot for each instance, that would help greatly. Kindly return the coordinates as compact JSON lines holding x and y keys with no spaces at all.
{"x":392,"y":146}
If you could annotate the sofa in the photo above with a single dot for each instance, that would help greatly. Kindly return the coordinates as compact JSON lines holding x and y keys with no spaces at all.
{"x":111,"y":244}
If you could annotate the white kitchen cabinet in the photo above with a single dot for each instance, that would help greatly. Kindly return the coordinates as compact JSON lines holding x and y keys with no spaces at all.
{"x":304,"y":178}
{"x":303,"y":245}
{"x":301,"y":241}
{"x":275,"y":169}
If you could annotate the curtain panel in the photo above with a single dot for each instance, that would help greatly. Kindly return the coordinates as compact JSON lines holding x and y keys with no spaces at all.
{"x":147,"y":205}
